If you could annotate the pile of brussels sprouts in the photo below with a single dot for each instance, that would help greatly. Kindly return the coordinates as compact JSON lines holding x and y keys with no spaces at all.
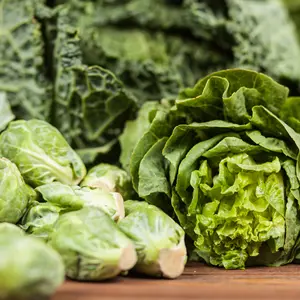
{"x":59,"y":220}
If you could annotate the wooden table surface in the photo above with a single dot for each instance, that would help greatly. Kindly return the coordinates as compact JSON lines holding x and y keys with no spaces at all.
{"x":197,"y":282}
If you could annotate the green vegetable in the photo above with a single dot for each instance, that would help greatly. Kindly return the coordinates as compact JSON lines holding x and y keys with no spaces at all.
{"x":6,"y":114}
{"x":60,"y":199}
{"x":135,"y":129}
{"x":61,"y":195}
{"x":294,"y":10}
{"x":74,"y":198}
{"x":111,"y":203}
{"x":22,"y":72}
{"x":41,"y":153}
{"x":29,"y":269}
{"x":229,"y":171}
{"x":91,"y":245}
{"x":53,"y":200}
{"x":86,"y":66}
{"x":290,"y":113}
{"x":42,"y":76}
{"x":109,"y":178}
{"x":40,"y":218}
{"x":8,"y":228}
{"x":15,"y":194}
{"x":157,"y":47}
{"x":91,"y":104}
{"x":158,"y":240}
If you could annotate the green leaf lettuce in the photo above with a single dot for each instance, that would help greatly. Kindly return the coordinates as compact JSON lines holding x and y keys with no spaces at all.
{"x":228,"y":167}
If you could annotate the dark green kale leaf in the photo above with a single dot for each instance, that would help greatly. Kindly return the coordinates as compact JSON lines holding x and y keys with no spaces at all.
{"x":265,"y":38}
{"x":152,"y":65}
{"x":294,"y":10}
{"x":151,"y":60}
{"x":22,"y":72}
{"x":90,"y":104}
{"x":157,"y":47}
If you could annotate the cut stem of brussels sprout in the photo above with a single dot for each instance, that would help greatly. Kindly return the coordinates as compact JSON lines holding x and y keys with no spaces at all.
{"x":158,"y":240}
{"x":172,"y":261}
{"x":128,"y":258}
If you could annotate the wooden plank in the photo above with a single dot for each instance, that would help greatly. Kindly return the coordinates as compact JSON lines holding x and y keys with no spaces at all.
{"x":197,"y":282}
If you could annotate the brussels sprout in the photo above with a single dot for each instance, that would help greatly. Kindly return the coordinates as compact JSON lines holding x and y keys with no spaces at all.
{"x":41,"y":217}
{"x":109,"y":178}
{"x":60,"y":195}
{"x":110,"y":203}
{"x":159,"y":241}
{"x":74,"y":198}
{"x":92,"y":246}
{"x":29,"y":269}
{"x":15,"y":194}
{"x":33,"y":195}
{"x":41,"y":153}
{"x":8,"y":228}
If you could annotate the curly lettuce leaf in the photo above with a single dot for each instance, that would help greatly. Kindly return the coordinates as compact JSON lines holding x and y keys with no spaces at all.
{"x":290,"y":113}
{"x":229,"y":168}
{"x":134,"y":130}
{"x":233,"y":93}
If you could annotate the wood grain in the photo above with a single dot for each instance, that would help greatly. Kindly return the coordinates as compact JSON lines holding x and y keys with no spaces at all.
{"x":197,"y":282}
